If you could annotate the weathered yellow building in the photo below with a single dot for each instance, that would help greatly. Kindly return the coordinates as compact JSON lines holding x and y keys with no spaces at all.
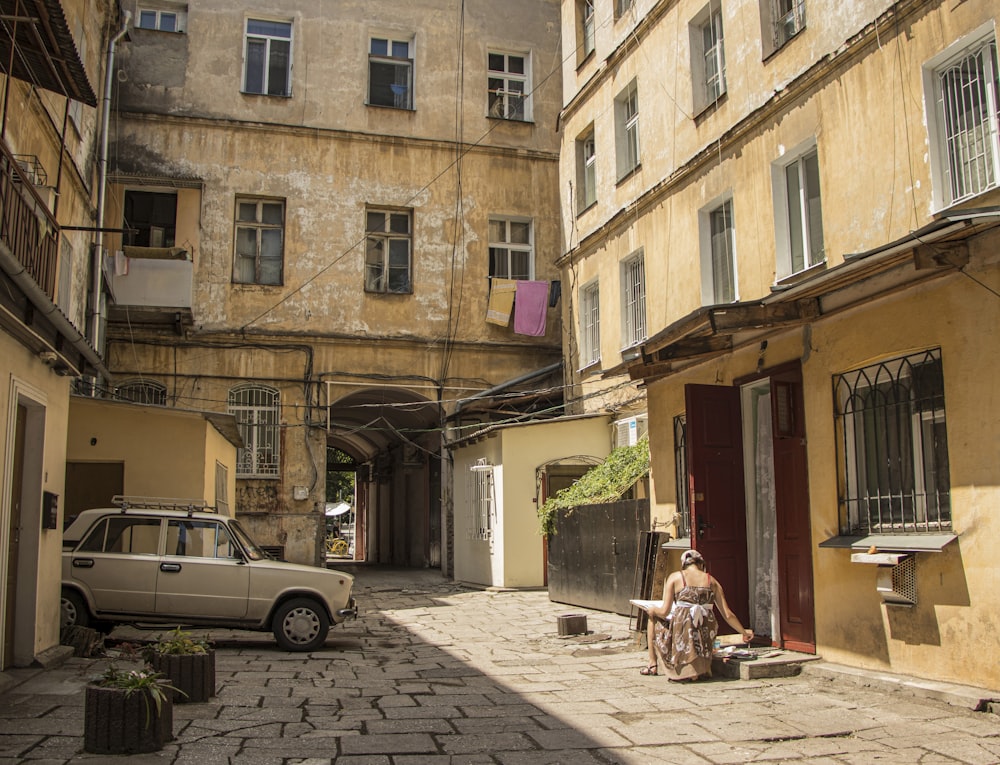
{"x":783,"y":224}
{"x":316,"y":199}
{"x":51,"y":68}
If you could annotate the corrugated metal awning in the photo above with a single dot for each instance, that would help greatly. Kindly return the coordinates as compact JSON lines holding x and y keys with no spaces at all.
{"x":44,"y":52}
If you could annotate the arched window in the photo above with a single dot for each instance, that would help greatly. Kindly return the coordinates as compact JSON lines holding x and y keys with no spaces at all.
{"x":142,"y":392}
{"x":256,"y":409}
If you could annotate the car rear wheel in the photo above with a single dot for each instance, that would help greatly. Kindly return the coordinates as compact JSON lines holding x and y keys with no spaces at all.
{"x":300,"y":625}
{"x":74,"y":610}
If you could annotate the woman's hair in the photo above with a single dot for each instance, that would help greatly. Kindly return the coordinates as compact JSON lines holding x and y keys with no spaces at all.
{"x":692,"y":557}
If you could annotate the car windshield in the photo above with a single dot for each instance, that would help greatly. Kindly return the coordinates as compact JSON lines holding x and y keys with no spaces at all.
{"x":253,"y":551}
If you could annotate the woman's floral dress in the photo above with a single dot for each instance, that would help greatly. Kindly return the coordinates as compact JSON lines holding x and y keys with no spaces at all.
{"x":685,"y":640}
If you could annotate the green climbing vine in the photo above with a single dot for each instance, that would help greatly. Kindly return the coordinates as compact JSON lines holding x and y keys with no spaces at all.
{"x":606,"y":482}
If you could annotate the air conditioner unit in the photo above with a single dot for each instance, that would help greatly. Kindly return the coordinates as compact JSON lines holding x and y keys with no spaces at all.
{"x":630,"y":430}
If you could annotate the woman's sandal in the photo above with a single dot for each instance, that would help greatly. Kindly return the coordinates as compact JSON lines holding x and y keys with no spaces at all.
{"x":650,"y":670}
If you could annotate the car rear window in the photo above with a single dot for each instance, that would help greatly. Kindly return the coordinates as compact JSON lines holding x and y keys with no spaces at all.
{"x":123,"y":534}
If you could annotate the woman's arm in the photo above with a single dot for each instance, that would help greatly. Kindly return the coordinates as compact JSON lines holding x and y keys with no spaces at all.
{"x":669,"y":593}
{"x":727,"y":612}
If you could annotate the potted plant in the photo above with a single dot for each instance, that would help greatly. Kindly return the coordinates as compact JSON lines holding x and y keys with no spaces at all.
{"x":188,"y":661}
{"x":128,"y":711}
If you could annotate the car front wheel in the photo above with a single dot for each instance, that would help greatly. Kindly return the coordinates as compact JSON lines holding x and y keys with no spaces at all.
{"x":74,"y":610}
{"x":300,"y":625}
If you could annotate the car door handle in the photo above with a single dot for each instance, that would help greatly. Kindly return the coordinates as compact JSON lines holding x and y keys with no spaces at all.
{"x":170,"y":567}
{"x":83,"y":562}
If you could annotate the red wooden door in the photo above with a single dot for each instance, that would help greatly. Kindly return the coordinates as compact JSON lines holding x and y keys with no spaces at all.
{"x":716,"y":489}
{"x":795,"y":577}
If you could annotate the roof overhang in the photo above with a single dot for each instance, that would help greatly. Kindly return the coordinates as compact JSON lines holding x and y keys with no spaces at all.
{"x":44,"y":53}
{"x":937,"y":249}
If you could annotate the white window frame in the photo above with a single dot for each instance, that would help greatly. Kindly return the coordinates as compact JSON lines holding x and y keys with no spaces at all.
{"x":160,"y":16}
{"x":502,"y":249}
{"x":402,"y":93}
{"x":780,"y":21}
{"x":262,"y":227}
{"x":382,"y":248}
{"x":633,"y":295}
{"x":586,"y":151}
{"x":627,"y":130}
{"x":482,"y":495}
{"x":587,"y":27}
{"x":590,"y":324}
{"x":718,"y":255}
{"x":978,"y":156}
{"x":798,"y":216}
{"x":508,"y":91}
{"x":708,"y":56}
{"x":272,"y":44}
{"x":257,"y":409}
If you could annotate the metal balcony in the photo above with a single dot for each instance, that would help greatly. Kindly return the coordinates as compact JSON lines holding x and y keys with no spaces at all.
{"x":27,"y":227}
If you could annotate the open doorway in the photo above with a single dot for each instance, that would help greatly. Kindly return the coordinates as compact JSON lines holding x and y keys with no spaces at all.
{"x":749,"y":500}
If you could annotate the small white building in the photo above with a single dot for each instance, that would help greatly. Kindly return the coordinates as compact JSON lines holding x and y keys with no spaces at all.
{"x":502,"y":474}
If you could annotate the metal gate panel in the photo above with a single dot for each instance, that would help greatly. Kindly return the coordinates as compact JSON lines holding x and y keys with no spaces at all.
{"x":592,"y":555}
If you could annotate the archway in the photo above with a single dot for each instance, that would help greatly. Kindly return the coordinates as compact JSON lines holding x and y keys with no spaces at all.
{"x":394,"y":436}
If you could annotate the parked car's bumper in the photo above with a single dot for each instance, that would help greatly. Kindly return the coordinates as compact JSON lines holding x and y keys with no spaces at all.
{"x":351,"y":612}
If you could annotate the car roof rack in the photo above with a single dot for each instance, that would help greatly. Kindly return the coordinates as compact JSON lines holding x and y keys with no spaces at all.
{"x":162,"y":503}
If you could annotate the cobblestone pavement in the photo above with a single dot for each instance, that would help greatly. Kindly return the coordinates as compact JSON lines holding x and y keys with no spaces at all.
{"x":436,"y":673}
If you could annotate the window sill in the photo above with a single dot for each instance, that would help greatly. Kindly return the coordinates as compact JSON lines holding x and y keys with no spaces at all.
{"x":584,"y":210}
{"x":386,"y":293}
{"x":703,"y":111}
{"x":594,"y":368}
{"x":410,"y":109}
{"x":681,"y":543}
{"x":510,"y":120}
{"x":257,"y":285}
{"x":628,"y":174}
{"x":799,"y":276}
{"x":585,"y":60}
{"x":892,"y":543}
{"x":266,"y":95}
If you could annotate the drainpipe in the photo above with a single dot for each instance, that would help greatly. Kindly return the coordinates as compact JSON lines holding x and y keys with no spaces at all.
{"x":102,"y":182}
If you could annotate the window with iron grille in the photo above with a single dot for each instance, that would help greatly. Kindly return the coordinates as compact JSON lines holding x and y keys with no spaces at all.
{"x":683,"y":515}
{"x":967,"y":101}
{"x":390,"y":73}
{"x":512,"y":249}
{"x":590,"y":324}
{"x":388,"y":248}
{"x":268,"y":58}
{"x":260,"y":235}
{"x":256,"y":409}
{"x":893,"y":446}
{"x":142,"y":392}
{"x":482,"y":500}
{"x":634,"y":300}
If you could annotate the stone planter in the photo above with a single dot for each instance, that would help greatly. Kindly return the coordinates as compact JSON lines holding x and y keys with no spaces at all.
{"x":118,"y":722}
{"x":192,"y":674}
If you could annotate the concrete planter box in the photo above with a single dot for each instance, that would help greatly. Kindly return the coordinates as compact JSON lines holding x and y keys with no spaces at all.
{"x":192,"y":674}
{"x":118,"y":722}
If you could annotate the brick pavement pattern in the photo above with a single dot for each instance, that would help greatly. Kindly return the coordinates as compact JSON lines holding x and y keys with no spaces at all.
{"x":437,"y":673}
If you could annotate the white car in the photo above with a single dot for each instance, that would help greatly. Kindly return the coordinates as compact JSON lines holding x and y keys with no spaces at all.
{"x":152,"y":562}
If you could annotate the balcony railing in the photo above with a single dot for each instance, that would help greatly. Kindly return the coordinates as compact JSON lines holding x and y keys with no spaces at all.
{"x":27,"y":227}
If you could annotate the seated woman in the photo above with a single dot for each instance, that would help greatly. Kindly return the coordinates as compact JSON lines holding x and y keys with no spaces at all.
{"x":682,"y":631}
